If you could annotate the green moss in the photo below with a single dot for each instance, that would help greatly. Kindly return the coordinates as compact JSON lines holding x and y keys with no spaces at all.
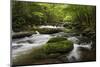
{"x":56,"y":39}
{"x":58,"y":47}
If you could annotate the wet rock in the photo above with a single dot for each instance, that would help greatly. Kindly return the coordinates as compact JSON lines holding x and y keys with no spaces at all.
{"x":22,"y":34}
{"x":58,"y":45}
{"x":73,"y":39}
{"x":16,"y":47}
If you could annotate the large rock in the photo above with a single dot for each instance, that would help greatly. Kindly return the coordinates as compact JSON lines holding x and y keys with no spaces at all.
{"x":58,"y":45}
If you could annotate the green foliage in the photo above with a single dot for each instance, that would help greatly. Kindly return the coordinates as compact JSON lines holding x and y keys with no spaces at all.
{"x":25,"y":15}
{"x":83,"y":16}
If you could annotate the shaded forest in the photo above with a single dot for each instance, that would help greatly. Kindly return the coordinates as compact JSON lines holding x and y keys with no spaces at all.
{"x":27,"y":15}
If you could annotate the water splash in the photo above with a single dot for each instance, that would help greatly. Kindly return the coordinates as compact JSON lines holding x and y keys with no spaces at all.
{"x":73,"y":39}
{"x":75,"y":54}
{"x":37,"y":33}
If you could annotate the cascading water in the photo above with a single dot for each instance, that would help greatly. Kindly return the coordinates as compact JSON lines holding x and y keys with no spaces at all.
{"x":75,"y":54}
{"x":22,"y":46}
{"x":49,"y":26}
{"x":37,"y":33}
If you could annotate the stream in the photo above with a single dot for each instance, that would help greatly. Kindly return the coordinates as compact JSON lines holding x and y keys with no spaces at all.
{"x":24,"y":45}
{"x":75,"y":54}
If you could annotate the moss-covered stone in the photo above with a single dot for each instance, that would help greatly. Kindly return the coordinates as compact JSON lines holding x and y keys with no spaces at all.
{"x":57,"y":45}
{"x":56,"y":39}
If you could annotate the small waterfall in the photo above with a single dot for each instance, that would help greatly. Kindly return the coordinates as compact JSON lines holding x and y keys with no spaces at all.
{"x":49,"y":26}
{"x":88,"y":45}
{"x":75,"y":54}
{"x":37,"y":33}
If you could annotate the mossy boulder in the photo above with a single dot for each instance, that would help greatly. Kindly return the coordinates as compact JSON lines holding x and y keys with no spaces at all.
{"x":56,"y":39}
{"x":58,"y":45}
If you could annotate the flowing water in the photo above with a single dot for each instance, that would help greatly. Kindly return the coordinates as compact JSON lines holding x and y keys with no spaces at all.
{"x":49,"y":26}
{"x":24,"y":45}
{"x":75,"y":54}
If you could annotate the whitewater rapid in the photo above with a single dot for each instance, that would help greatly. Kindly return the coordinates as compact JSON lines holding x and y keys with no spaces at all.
{"x":75,"y":54}
{"x":22,"y":46}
